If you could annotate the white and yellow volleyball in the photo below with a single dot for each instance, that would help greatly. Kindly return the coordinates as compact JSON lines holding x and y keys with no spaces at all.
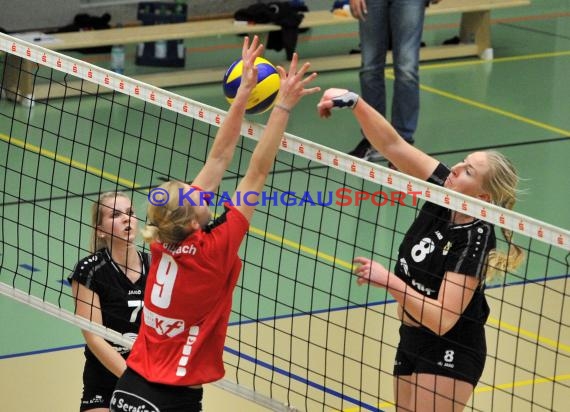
{"x":263,"y":95}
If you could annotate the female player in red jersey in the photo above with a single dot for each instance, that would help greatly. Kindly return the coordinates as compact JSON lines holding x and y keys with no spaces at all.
{"x":108,"y":287}
{"x":442,"y":264}
{"x":195,"y":264}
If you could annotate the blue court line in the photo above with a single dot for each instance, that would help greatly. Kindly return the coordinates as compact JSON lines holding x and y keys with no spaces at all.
{"x":41,"y":351}
{"x":303,"y":380}
{"x":29,"y":267}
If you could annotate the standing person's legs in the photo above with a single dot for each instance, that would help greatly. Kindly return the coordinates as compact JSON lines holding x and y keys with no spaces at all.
{"x":374,"y":46}
{"x":441,"y":394}
{"x":407,"y":21}
{"x":405,"y":392}
{"x":430,"y":393}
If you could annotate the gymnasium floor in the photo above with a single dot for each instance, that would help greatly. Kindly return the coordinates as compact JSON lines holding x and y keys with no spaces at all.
{"x":518,"y":103}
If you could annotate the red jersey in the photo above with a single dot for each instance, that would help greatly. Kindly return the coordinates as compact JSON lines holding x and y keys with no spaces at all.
{"x":187,"y":304}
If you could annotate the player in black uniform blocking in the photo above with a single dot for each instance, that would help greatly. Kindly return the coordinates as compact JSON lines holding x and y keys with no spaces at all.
{"x":108,"y":287}
{"x":442,"y":265}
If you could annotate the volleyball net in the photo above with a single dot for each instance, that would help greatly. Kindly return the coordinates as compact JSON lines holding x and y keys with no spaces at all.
{"x":302,"y":334}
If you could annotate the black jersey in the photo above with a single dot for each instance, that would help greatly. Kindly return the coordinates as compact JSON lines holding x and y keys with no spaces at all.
{"x":434,"y":245}
{"x":121,"y":300}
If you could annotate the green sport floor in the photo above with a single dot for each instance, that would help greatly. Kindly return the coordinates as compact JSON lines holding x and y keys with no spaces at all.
{"x":518,"y":103}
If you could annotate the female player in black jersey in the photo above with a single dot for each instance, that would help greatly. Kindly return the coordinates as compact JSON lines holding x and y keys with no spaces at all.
{"x":441,"y":267}
{"x":108,"y":287}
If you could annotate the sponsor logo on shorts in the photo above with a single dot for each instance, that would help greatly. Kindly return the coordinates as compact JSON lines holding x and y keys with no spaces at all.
{"x":96,"y":400}
{"x":128,"y":402}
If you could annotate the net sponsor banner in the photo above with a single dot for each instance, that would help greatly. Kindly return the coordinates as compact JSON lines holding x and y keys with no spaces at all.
{"x":293,"y":144}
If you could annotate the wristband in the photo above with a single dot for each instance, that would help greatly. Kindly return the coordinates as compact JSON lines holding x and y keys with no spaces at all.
{"x":282,"y":107}
{"x":349,"y":99}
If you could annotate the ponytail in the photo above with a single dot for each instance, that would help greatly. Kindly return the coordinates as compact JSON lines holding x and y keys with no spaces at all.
{"x":500,"y":263}
{"x":501,"y":182}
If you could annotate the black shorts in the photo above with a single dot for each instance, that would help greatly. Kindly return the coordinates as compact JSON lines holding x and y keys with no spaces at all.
{"x":98,"y":385}
{"x":133,"y":392}
{"x":459,"y":354}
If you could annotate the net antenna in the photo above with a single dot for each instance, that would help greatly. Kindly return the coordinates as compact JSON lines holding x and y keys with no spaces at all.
{"x":301,"y":333}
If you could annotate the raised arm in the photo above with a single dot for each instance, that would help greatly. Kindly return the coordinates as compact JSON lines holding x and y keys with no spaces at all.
{"x":379,"y":133}
{"x":222,"y":151}
{"x":292,"y":89}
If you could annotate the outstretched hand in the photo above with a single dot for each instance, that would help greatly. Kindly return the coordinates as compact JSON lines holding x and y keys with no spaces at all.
{"x":293,"y":83}
{"x":249,"y":53}
{"x":326,"y":104}
{"x":370,"y":271}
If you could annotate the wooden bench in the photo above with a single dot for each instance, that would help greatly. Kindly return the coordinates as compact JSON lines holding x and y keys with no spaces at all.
{"x":474,"y":34}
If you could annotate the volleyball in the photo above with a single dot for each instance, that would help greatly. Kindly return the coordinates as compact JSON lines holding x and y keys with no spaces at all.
{"x":263,"y":95}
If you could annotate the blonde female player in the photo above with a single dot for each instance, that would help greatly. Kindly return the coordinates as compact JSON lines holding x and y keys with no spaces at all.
{"x":108,"y":287}
{"x":195,"y":264}
{"x":439,"y":278}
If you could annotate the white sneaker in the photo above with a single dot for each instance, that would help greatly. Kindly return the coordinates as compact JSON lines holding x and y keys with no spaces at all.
{"x":372,"y":155}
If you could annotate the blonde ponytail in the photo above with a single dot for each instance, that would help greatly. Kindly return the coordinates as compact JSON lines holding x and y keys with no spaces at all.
{"x":501,"y":182}
{"x":501,"y":263}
